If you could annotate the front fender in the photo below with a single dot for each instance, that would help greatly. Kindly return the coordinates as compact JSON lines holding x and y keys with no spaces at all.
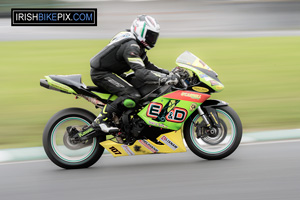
{"x":213,"y":103}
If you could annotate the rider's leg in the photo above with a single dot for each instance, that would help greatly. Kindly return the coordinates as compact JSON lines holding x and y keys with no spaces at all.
{"x":101,"y":123}
{"x":128,"y":96}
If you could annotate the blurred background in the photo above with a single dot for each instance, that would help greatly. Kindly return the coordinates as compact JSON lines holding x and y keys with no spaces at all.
{"x":253,"y":45}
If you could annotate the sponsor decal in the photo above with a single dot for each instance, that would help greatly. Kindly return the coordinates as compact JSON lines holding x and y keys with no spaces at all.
{"x":203,"y":75}
{"x":115,"y":150}
{"x":168,"y":142}
{"x":177,"y":115}
{"x":149,"y":146}
{"x":160,"y":114}
{"x":127,"y":149}
{"x":85,"y":132}
{"x":191,"y":95}
{"x":214,"y":117}
{"x":157,"y":124}
{"x":54,"y":17}
{"x":200,"y":89}
{"x":203,"y":64}
{"x":212,"y":82}
{"x":154,"y":109}
{"x":193,"y":106}
{"x":188,"y":96}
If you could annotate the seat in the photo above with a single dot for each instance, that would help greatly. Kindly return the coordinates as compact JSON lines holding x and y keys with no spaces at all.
{"x":96,"y":89}
{"x":69,"y":80}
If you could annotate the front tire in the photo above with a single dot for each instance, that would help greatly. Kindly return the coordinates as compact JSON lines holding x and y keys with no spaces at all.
{"x":54,"y":140}
{"x":219,"y":146}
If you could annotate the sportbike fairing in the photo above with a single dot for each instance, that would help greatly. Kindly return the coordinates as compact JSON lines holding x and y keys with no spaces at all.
{"x":169,"y":143}
{"x":171,"y":110}
{"x":72,"y":84}
{"x":166,"y":112}
{"x":205,"y":74}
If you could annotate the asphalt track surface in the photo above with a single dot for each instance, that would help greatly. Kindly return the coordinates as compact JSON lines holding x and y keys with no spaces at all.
{"x":265,"y":171}
{"x":178,"y":18}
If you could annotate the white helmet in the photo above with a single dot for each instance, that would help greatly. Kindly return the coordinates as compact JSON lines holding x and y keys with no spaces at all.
{"x":146,"y":30}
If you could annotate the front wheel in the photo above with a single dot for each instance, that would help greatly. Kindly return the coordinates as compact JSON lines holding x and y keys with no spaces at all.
{"x":222,"y":143}
{"x":61,"y":150}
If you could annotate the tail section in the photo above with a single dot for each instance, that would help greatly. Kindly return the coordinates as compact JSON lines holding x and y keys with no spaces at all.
{"x":71,"y":84}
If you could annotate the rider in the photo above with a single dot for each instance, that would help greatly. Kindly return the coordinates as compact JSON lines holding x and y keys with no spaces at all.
{"x":126,"y":51}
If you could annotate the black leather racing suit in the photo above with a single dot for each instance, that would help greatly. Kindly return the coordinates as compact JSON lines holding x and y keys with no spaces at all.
{"x":122,"y":54}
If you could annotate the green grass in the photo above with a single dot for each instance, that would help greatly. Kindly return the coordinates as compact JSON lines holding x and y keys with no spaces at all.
{"x":261,"y":78}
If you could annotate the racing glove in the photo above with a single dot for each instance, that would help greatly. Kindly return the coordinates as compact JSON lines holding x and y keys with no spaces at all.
{"x":165,"y":71}
{"x":171,"y":79}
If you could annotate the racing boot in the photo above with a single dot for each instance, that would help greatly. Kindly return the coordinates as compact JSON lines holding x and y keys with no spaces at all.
{"x":100,"y":124}
{"x":104,"y":120}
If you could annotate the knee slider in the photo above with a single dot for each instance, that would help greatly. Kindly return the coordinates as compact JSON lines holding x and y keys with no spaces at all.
{"x":129,"y":103}
{"x":131,"y":99}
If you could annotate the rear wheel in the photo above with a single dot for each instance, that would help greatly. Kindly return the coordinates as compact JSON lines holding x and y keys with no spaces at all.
{"x":61,"y":150}
{"x":218,"y":142}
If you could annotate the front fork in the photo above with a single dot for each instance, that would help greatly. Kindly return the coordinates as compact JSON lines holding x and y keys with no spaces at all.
{"x":202,"y":114}
{"x":209,"y":128}
{"x":213,"y":117}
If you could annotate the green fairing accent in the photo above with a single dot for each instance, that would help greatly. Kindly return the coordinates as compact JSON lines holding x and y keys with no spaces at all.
{"x":59,"y":86}
{"x":167,"y":124}
{"x":128,"y":103}
{"x":85,"y":132}
{"x":217,"y":88}
{"x":106,"y":96}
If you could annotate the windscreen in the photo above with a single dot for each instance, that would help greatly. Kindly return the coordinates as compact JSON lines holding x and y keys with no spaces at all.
{"x":190,"y":59}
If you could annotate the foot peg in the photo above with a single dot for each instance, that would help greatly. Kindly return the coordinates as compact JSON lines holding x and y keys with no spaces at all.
{"x":107,"y":129}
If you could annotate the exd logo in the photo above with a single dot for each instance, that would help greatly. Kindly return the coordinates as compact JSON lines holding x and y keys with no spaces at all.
{"x":54,"y":17}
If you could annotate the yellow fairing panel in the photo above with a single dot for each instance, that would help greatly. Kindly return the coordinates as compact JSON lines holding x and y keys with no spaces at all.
{"x":171,"y":143}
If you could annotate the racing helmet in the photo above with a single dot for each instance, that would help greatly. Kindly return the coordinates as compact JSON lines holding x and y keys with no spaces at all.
{"x":146,"y":30}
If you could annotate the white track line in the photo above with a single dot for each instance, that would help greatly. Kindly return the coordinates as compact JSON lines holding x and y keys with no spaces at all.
{"x":270,"y":142}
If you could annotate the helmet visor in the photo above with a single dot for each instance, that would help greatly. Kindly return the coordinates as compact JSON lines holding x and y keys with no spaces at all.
{"x":151,"y":38}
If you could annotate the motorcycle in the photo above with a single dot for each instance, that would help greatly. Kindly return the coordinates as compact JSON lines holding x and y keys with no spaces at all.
{"x":165,"y":117}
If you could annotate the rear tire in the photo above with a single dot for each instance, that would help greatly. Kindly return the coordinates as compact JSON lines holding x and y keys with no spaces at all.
{"x":230,"y":134}
{"x":54,"y":137}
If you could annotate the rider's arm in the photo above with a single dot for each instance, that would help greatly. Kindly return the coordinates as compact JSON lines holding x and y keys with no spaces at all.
{"x":132,"y":58}
{"x":153,"y":67}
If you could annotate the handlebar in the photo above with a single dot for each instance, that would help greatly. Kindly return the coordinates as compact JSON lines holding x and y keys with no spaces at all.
{"x":185,"y":85}
{"x":181,"y":80}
